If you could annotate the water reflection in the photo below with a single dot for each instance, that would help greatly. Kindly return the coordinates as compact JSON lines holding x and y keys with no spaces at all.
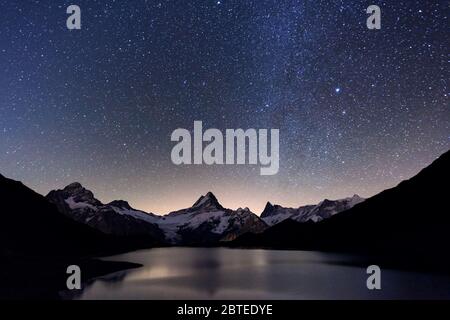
{"x":218,"y":273}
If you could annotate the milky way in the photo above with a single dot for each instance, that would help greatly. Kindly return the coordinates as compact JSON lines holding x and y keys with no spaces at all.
{"x":358,"y":110}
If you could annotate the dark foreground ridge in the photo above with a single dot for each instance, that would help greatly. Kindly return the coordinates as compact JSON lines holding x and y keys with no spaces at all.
{"x":407,"y":224}
{"x":38,"y":243}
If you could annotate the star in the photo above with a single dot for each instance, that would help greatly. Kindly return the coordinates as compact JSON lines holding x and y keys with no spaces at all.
{"x":101,"y":104}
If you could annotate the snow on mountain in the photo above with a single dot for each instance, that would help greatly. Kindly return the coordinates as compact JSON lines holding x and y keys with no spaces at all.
{"x":205,"y":222}
{"x":116,"y":218}
{"x":274,"y":214}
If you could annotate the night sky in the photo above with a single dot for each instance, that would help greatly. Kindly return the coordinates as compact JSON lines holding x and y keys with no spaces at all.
{"x":358,"y":110}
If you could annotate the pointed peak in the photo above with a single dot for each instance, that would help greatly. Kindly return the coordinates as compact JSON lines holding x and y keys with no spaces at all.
{"x":269,"y":206}
{"x":207,"y":200}
{"x":268,"y":210}
{"x":210,"y":195}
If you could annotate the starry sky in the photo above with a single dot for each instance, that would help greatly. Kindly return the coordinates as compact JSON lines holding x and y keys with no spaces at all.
{"x":358,"y":110}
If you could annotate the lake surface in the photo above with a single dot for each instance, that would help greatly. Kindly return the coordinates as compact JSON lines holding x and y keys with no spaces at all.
{"x":220,"y":273}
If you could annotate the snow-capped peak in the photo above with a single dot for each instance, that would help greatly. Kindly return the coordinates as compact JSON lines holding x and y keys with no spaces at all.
{"x":209,"y":200}
{"x":77,"y":193}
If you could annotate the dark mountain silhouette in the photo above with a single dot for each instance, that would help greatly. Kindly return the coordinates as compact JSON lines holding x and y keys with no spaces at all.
{"x":38,"y":243}
{"x":411,"y":219}
{"x":408,"y":224}
{"x":30,"y":224}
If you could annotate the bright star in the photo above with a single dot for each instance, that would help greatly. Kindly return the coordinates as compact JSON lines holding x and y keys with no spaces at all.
{"x":337,"y":90}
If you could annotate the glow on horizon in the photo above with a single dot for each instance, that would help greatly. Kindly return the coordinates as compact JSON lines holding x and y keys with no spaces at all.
{"x":167,"y":199}
{"x":98,"y":106}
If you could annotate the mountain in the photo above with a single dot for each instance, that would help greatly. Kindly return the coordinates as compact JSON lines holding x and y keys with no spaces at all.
{"x":35,"y":236}
{"x":411,"y":219}
{"x":32,"y":224}
{"x":116,"y":218}
{"x":274,"y":214}
{"x":29,"y":223}
{"x":206,"y":222}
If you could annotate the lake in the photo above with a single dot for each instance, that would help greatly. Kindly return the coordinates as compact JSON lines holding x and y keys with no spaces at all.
{"x":220,"y":273}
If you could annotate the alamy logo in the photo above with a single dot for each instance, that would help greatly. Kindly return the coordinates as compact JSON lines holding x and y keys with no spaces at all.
{"x":74,"y":280}
{"x":73,"y":22}
{"x":236,"y":141}
{"x":374,"y":280}
{"x":374,"y":20}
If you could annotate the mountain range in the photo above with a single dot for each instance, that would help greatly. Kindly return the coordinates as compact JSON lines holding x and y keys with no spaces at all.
{"x":274,"y":214}
{"x":411,"y":218}
{"x":206,"y":222}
